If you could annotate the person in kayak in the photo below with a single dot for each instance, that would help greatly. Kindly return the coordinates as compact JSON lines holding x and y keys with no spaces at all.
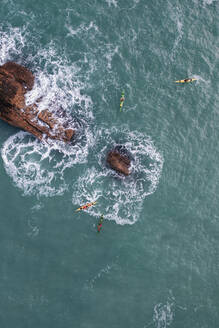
{"x":84,"y":207}
{"x":186,"y":80}
{"x":99,"y":226}
{"x":122,"y":99}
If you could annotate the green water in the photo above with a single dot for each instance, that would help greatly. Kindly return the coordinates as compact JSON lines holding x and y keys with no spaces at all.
{"x":156,"y":261}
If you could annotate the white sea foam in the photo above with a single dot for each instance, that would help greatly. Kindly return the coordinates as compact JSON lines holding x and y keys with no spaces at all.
{"x":39,"y":168}
{"x":199,"y":78}
{"x":11,"y":43}
{"x":33,"y":228}
{"x":57,"y":82}
{"x":208,"y":2}
{"x":57,"y":85}
{"x":82,"y":29}
{"x":112,"y":2}
{"x":121,"y":197}
{"x":37,"y":207}
{"x":163,"y":314}
{"x":35,"y":167}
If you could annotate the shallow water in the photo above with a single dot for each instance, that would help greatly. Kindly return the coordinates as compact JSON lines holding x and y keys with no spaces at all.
{"x":155,"y":263}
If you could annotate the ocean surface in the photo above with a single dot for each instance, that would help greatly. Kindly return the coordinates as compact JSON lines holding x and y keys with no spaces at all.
{"x":156,"y":261}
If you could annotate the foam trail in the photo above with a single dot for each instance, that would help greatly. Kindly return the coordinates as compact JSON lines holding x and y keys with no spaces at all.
{"x":36,"y":207}
{"x":33,"y":228}
{"x":200,"y":79}
{"x":104,"y":271}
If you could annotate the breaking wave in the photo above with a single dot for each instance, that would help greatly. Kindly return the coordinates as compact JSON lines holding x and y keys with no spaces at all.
{"x":122,"y":198}
{"x":58,"y":86}
{"x":39,"y":168}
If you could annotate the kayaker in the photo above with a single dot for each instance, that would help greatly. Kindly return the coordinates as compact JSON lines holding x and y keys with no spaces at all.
{"x":99,"y":226}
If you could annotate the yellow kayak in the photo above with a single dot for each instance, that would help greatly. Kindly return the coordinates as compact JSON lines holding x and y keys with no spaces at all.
{"x":186,"y":80}
{"x":84,"y":207}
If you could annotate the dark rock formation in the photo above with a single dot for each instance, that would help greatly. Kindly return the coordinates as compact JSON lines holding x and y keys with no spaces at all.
{"x":15,"y":81}
{"x":119,"y":160}
{"x":20,"y":73}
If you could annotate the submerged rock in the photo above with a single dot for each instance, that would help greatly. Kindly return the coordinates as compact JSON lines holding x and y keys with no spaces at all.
{"x":15,"y":81}
{"x":119,"y":160}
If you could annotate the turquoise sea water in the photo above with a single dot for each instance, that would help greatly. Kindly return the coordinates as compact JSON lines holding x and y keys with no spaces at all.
{"x":156,"y":261}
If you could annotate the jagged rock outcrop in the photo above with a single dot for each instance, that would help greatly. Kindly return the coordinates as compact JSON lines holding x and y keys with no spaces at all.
{"x":15,"y":81}
{"x":119,"y":160}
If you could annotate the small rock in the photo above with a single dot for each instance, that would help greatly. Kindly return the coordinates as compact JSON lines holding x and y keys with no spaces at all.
{"x":119,"y":160}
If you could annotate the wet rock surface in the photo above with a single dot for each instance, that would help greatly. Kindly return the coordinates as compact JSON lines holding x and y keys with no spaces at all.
{"x":15,"y":81}
{"x":119,"y":160}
